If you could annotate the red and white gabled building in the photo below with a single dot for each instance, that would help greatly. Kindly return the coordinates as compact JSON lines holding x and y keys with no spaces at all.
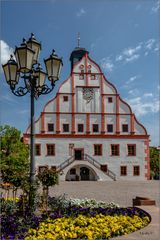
{"x":88,"y":132}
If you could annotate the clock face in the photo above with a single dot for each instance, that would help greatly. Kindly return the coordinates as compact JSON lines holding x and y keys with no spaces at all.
{"x":88,"y":94}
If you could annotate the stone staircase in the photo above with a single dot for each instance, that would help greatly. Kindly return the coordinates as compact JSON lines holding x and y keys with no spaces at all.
{"x":91,"y":160}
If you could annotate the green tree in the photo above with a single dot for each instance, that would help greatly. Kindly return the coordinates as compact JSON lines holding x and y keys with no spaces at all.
{"x":48,"y":178}
{"x":14,"y":156}
{"x":154,"y":162}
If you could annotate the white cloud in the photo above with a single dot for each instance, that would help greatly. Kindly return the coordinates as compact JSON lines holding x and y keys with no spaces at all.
{"x":6,"y":51}
{"x":148,"y":95}
{"x":142,"y":107}
{"x":129,"y":52}
{"x":119,"y":58}
{"x":132,"y":58}
{"x":132,"y":79}
{"x":81,"y":12}
{"x":149,"y":44}
{"x":134,"y":92}
{"x":156,"y":7}
{"x":107,"y":64}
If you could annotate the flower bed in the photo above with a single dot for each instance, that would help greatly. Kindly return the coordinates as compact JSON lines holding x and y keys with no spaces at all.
{"x":72,"y":219}
{"x":86,"y":227}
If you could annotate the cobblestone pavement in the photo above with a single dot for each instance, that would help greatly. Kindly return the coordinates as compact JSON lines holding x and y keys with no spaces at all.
{"x":121,"y":192}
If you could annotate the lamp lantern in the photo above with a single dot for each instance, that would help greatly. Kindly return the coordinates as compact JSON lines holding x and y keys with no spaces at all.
{"x":11,"y":72}
{"x":24,"y":56}
{"x":35,"y":46}
{"x":53,"y":67}
{"x":40,"y":76}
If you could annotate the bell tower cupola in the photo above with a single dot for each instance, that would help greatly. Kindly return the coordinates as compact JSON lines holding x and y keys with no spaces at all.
{"x":77,"y":53}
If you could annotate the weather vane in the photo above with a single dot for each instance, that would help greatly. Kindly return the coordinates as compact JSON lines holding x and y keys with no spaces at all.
{"x":78,"y":39}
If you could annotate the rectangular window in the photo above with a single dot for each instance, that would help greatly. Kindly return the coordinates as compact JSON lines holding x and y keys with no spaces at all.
{"x":37,"y":149}
{"x":95,"y":128}
{"x":80,"y":128}
{"x":109,"y":127}
{"x":115,"y":149}
{"x":131,"y":149}
{"x":50,"y":149}
{"x":123,"y":170}
{"x":65,"y":98}
{"x":136,"y":170}
{"x":110,"y":100}
{"x":65,"y":127}
{"x":124,"y":127}
{"x":98,"y":149}
{"x":50,"y":127}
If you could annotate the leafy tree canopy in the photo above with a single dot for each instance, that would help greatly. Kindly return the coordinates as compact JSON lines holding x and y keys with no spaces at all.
{"x":154,"y":161}
{"x":14,"y":156}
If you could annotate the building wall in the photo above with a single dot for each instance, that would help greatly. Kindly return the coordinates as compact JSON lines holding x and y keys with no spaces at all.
{"x":91,"y":99}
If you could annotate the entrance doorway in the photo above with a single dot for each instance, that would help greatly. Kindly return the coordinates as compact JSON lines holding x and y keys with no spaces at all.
{"x":84,"y":173}
{"x":78,"y":154}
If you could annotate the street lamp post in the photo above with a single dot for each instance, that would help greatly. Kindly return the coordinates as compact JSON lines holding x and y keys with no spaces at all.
{"x":27,"y":67}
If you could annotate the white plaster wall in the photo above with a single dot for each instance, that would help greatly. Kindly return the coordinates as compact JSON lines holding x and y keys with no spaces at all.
{"x":50,"y":118}
{"x":95,"y":119}
{"x":65,"y":106}
{"x":108,"y":89}
{"x":110,"y":107}
{"x":78,"y":81}
{"x":66,"y":119}
{"x":125,"y":119}
{"x":138,"y":129}
{"x":51,"y":106}
{"x":66,"y":86}
{"x":80,"y":119}
{"x":88,"y":107}
{"x":81,"y":62}
{"x":114,"y":163}
{"x":110,"y":120}
{"x":123,"y":108}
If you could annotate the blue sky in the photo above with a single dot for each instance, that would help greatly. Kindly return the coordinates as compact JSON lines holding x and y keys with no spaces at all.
{"x":122,"y":36}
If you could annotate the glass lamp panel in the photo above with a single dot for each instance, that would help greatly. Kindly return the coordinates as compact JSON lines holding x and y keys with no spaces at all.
{"x":36,"y":48}
{"x":55,"y":69}
{"x":30,"y":56}
{"x":13,"y":74}
{"x":6,"y":72}
{"x":48,"y":64}
{"x":41,"y":79}
{"x":20,"y":54}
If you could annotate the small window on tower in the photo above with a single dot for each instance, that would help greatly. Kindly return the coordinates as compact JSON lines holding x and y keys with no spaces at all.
{"x":93,"y":76}
{"x":65,"y":98}
{"x":124,"y":127}
{"x":109,"y":127}
{"x":110,"y":100}
{"x":80,"y":127}
{"x":65,"y":127}
{"x":95,"y":128}
{"x":50,"y":127}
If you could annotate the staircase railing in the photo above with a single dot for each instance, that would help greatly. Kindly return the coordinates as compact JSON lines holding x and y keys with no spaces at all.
{"x":65,"y":163}
{"x":98,"y":165}
{"x":92,"y":160}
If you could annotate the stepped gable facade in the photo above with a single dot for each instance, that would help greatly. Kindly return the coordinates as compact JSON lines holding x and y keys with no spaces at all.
{"x":87,"y":132}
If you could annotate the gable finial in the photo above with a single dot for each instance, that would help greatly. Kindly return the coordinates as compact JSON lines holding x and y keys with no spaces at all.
{"x":78,"y":39}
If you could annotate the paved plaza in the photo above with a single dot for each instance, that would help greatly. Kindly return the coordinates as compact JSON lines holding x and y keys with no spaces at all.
{"x":120,"y":192}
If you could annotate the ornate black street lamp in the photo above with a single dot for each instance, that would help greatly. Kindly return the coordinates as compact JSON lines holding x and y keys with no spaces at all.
{"x":26,"y":67}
